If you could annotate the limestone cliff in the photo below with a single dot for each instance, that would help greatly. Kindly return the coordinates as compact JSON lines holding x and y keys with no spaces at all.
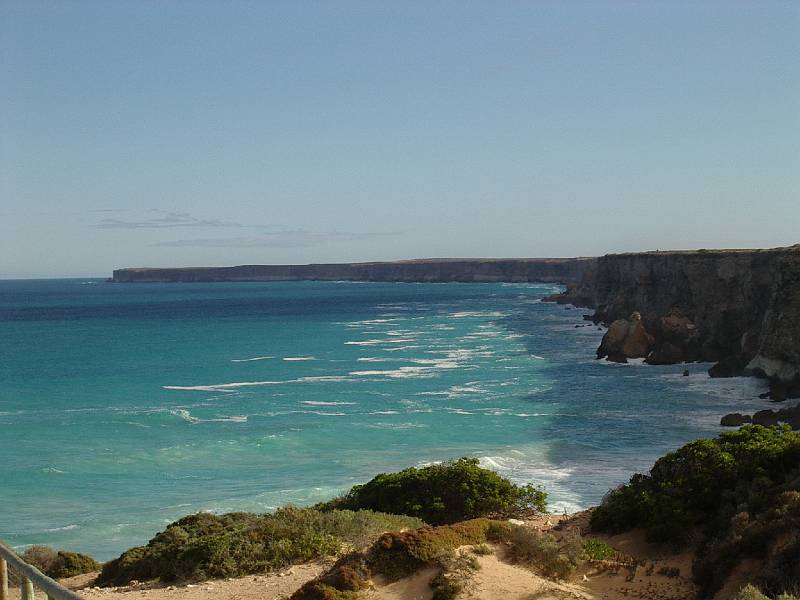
{"x":740,"y":308}
{"x":556,"y":270}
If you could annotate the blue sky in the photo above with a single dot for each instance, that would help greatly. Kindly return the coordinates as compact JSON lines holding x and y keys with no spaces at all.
{"x":215,"y":133}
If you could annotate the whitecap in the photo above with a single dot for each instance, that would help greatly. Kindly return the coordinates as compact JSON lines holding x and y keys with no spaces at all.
{"x":321,"y":379}
{"x":219,"y":387}
{"x":298,"y":358}
{"x":237,"y":360}
{"x":65,"y":528}
{"x":187,"y":416}
{"x":325,"y":403}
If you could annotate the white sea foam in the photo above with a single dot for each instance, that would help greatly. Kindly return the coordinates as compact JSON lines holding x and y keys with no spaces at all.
{"x":477,"y":313}
{"x":320,"y":379}
{"x":222,"y":387}
{"x":65,"y":528}
{"x":400,"y":348}
{"x":237,"y":360}
{"x":187,"y":416}
{"x":298,"y":358}
{"x":219,"y":387}
{"x":363,"y":342}
{"x":372,"y":359}
{"x":325,"y":403}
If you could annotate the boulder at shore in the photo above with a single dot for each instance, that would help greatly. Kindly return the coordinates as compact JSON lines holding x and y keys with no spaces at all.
{"x":626,"y":338}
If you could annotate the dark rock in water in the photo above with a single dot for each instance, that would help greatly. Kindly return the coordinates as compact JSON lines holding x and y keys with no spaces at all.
{"x":686,"y":372}
{"x":730,"y":366}
{"x":617,"y":358}
{"x":764,"y":396}
{"x":665,"y":354}
{"x":767,"y":418}
{"x":777,"y":391}
{"x":734,"y":420}
{"x":626,"y":338}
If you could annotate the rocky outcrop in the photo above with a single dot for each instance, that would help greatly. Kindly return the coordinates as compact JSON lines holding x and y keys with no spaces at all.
{"x":735,"y":420}
{"x":568,"y":271}
{"x":626,"y":338}
{"x":768,"y":418}
{"x":737,"y":308}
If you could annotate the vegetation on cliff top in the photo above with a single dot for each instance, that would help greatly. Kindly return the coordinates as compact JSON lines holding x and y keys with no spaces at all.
{"x":443,"y":493}
{"x":398,"y":555}
{"x":735,"y":496}
{"x":206,"y":546}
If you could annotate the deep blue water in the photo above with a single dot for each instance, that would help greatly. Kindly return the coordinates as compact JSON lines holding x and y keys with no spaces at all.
{"x":124,"y":407}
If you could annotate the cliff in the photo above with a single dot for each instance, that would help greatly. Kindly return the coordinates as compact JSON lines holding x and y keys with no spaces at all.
{"x":556,"y":270}
{"x":739,"y":308}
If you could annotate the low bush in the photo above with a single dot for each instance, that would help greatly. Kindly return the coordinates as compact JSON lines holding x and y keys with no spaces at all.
{"x":726,"y":495}
{"x":41,"y":557}
{"x":597,"y":549}
{"x":482,"y":550}
{"x":206,"y":546}
{"x":444,"y":493}
{"x":57,"y":564}
{"x":542,"y":551}
{"x":397,"y":555}
{"x":750,"y":592}
{"x":454,"y":577}
{"x":70,"y":564}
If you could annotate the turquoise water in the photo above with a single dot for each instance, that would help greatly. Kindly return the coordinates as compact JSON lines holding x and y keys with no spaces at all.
{"x":124,"y":407}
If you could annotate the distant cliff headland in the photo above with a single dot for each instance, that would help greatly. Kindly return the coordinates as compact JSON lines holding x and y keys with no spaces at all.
{"x":556,"y":270}
{"x":737,"y":308}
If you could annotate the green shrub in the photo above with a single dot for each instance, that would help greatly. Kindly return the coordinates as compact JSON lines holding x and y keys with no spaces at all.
{"x":204,"y":546}
{"x":444,"y":493}
{"x":729,"y":496}
{"x":57,"y":564}
{"x":69,"y":564}
{"x":597,"y":549}
{"x":482,"y":550}
{"x":543,"y":552}
{"x":397,"y":555}
{"x":749,"y":592}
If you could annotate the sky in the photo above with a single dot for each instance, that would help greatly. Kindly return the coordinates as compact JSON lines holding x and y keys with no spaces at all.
{"x":218,"y":133}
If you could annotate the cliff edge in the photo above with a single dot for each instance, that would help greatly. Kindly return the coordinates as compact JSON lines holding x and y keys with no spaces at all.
{"x":556,"y":270}
{"x":738,"y":308}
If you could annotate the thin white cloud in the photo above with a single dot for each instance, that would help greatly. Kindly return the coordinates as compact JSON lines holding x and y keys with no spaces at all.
{"x":279,"y":239}
{"x":170,"y":220}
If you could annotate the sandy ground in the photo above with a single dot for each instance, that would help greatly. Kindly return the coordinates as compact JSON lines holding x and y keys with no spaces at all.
{"x":643,"y":572}
{"x":253,"y":587}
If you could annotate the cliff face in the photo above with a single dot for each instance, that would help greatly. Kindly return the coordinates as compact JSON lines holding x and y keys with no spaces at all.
{"x":738,"y":307}
{"x":557,"y":270}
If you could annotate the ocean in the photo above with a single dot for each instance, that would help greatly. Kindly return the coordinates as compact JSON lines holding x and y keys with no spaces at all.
{"x":126,"y":406}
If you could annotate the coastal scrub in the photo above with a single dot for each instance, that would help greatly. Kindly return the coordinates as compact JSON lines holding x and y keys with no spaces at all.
{"x":735,"y":496}
{"x":443,"y":493}
{"x":205,"y":546}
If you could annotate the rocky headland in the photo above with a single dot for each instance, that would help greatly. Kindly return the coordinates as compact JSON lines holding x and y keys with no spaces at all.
{"x":556,"y":270}
{"x":737,"y":308}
